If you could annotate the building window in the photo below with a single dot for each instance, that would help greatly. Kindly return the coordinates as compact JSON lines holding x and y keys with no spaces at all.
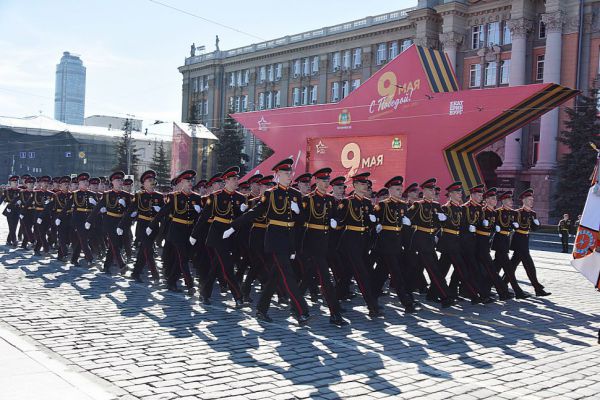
{"x":335,"y":61}
{"x":542,"y":30}
{"x":504,"y":72}
{"x":231,"y":79}
{"x":261,"y":101}
{"x":315,"y":65}
{"x":305,"y":67}
{"x":536,"y":149}
{"x":476,"y":36}
{"x":31,"y":154}
{"x":262,"y":74}
{"x":22,"y":154}
{"x":231,"y":103}
{"x":506,"y":36}
{"x":381,"y":53}
{"x":238,"y":104}
{"x":245,"y":77}
{"x":277,"y":98}
{"x":355,"y":84}
{"x":345,"y":89}
{"x":305,"y":95}
{"x":296,"y":96}
{"x":490,"y":74}
{"x":194,"y":84}
{"x":406,"y":43}
{"x":313,"y":94}
{"x":239,"y":78}
{"x":271,"y":73}
{"x":539,"y":74}
{"x":356,"y":57}
{"x":244,"y":103}
{"x":269,"y":100}
{"x":278,"y":69}
{"x":346,"y":60}
{"x":296,"y":68}
{"x":335,"y":91}
{"x":393,"y":50}
{"x":475,"y":75}
{"x":493,"y":33}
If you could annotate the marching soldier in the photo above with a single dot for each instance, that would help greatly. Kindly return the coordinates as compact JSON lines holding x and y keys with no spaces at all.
{"x":473,"y":217}
{"x":80,"y":204}
{"x":26,"y":211}
{"x":40,"y":198}
{"x":340,"y":273}
{"x":390,"y":213}
{"x":11,"y":196}
{"x":222,"y":207}
{"x":564,"y":228}
{"x":280,"y":206}
{"x":318,"y":207}
{"x":114,"y":202}
{"x":55,"y":209}
{"x":527,"y":221}
{"x":425,"y":216}
{"x":144,"y":207}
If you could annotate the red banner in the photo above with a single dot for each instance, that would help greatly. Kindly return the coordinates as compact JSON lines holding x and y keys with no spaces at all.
{"x":181,"y":151}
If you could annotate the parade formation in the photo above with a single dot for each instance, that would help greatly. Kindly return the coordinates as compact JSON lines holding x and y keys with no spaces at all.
{"x":294,"y":235}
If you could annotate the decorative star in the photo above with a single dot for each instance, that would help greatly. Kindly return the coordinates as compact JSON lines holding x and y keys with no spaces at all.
{"x":415,"y":99}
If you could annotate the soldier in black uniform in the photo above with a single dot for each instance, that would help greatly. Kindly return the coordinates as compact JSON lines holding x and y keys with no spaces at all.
{"x":302,"y":184}
{"x":11,"y":196}
{"x":222,"y":207}
{"x":280,"y":206}
{"x":54,"y":209}
{"x":115,"y":202}
{"x":390,"y":213}
{"x":79,"y":204}
{"x":127,"y":236}
{"x":184,"y":206}
{"x":415,"y":271}
{"x":242,"y":237}
{"x":318,"y":210}
{"x":473,"y":217}
{"x":527,"y":221}
{"x":26,"y":212}
{"x":425,"y":216}
{"x":40,"y":198}
{"x":565,"y":226}
{"x":144,"y":207}
{"x":355,"y":213}
{"x":341,"y":273}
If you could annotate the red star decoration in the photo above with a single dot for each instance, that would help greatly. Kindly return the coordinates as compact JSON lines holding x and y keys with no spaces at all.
{"x":409,"y":118}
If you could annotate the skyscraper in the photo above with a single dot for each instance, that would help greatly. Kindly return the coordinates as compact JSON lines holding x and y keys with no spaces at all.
{"x":69,"y":94}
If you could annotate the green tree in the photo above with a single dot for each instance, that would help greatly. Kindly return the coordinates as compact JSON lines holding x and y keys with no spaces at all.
{"x":575,"y":167}
{"x":265,"y":152}
{"x":229,"y":147}
{"x":161,"y":164}
{"x":121,"y":164}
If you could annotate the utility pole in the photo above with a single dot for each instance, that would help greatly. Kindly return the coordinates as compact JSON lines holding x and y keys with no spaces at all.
{"x":127,"y":129}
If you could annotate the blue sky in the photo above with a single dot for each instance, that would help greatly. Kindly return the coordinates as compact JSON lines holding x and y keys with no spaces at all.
{"x":132,"y":48}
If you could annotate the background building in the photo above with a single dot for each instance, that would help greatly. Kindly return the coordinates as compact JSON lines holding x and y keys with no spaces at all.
{"x":489,"y":43}
{"x":43,"y":146}
{"x":112,"y":122}
{"x":69,"y":92}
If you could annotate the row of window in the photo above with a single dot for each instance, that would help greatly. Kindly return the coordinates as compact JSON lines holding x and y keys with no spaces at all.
{"x":491,"y":72}
{"x":305,"y":95}
{"x":199,"y":84}
{"x":269,"y":100}
{"x":343,"y":88}
{"x":387,"y":51}
{"x":497,"y":33}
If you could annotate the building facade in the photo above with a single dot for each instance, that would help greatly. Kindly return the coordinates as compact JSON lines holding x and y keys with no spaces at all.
{"x":112,"y":122}
{"x":69,"y":92}
{"x":489,"y":44}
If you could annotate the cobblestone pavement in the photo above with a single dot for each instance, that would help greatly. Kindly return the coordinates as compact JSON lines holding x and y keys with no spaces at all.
{"x":151,"y":344}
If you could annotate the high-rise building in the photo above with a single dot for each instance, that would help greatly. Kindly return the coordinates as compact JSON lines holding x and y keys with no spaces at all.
{"x":69,"y":93}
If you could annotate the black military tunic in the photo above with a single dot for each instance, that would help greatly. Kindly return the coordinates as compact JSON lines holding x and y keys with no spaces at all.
{"x":525,"y":218}
{"x":80,"y":204}
{"x":10,"y":196}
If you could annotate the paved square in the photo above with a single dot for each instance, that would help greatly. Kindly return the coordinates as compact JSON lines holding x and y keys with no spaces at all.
{"x":159,"y":345}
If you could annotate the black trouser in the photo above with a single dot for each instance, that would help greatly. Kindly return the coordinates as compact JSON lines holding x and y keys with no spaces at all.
{"x":167,"y":259}
{"x":115,"y":244}
{"x":493,"y":278}
{"x":64,"y":232}
{"x":180,"y":255}
{"x":27,"y":225}
{"x":41,"y":235}
{"x":222,"y":262}
{"x":81,"y":243}
{"x":281,"y":273}
{"x":502,"y":262}
{"x":316,"y":266}
{"x":461,"y":273}
{"x":13,"y":222}
{"x":525,"y":258}
{"x":354,"y":256}
{"x":145,"y":257}
{"x":429,"y":260}
{"x":392,"y":264}
{"x":564,"y":238}
{"x":258,"y":267}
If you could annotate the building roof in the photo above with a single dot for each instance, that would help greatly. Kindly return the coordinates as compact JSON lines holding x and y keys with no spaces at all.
{"x":42,"y":125}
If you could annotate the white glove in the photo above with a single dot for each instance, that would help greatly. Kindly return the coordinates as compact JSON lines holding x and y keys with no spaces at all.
{"x":156,"y":208}
{"x":18,"y":202}
{"x":333,"y":223}
{"x":38,"y":221}
{"x":497,"y":228}
{"x":471,"y":228}
{"x":485,"y":223}
{"x":92,"y":201}
{"x":57,"y":222}
{"x":133,"y":214}
{"x":295,"y":208}
{"x":8,"y":210}
{"x":119,"y":231}
{"x":197,"y":208}
{"x":21,"y":216}
{"x":103,"y":210}
{"x":515,"y":224}
{"x":560,"y":236}
{"x":293,"y":256}
{"x":192,"y":241}
{"x":436,"y":239}
{"x":243,"y":207}
{"x":122,"y":202}
{"x":442,"y":217}
{"x":536,"y":221}
{"x":228,"y":233}
{"x":406,"y":221}
{"x":87,"y":226}
{"x":378,"y":228}
{"x":47,"y":201}
{"x":372,"y":218}
{"x":596,"y":190}
{"x":148,"y":231}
